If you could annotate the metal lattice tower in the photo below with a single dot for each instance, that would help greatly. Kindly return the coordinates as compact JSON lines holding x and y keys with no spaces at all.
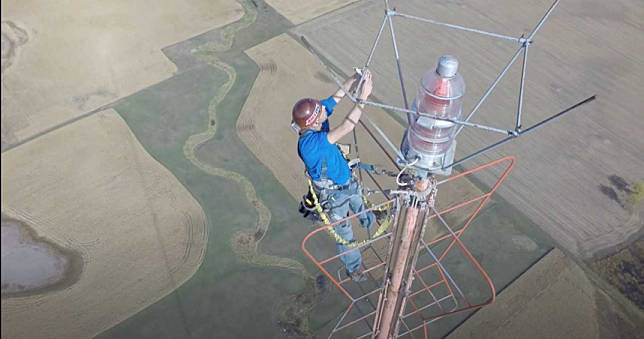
{"x":411,"y":284}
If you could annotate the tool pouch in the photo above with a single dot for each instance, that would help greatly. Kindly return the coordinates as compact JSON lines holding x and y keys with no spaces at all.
{"x":307,"y":207}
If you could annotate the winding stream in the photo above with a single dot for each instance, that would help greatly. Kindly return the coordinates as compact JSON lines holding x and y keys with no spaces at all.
{"x":245,"y":243}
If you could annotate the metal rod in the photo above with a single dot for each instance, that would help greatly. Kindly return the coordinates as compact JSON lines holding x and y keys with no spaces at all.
{"x":384,"y":136}
{"x":327,"y":260}
{"x":490,"y":89}
{"x":543,"y":19}
{"x":424,"y":114}
{"x":365,"y":267}
{"x":522,"y":85}
{"x":438,"y":215}
{"x":485,"y":149}
{"x":366,"y":295}
{"x":486,"y":197}
{"x":451,"y":292}
{"x":368,"y":272}
{"x":400,"y":75}
{"x":473,"y":30}
{"x":531,"y":128}
{"x":373,"y":268}
{"x":437,"y":302}
{"x":415,"y":293}
{"x":355,"y":142}
{"x":426,"y":287}
{"x":402,"y":321}
{"x":537,"y":125}
{"x":378,"y":185}
{"x":375,"y":43}
{"x":344,"y":315}
{"x":379,"y":145}
{"x":442,"y":280}
{"x":419,"y":326}
{"x":441,"y":267}
{"x":364,"y":315}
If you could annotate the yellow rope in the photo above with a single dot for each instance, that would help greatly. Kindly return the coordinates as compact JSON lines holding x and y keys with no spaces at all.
{"x":325,"y":219}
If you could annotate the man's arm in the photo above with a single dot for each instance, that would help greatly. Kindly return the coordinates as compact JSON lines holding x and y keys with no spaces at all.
{"x":346,"y":87}
{"x":354,"y":115}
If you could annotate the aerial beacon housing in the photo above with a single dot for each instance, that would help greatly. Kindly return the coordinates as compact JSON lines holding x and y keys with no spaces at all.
{"x":429,"y":140}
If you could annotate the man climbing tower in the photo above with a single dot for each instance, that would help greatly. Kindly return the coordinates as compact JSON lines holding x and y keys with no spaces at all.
{"x":329,"y":170}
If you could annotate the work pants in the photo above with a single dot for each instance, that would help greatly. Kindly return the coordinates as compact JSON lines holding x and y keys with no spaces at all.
{"x":340,"y":202}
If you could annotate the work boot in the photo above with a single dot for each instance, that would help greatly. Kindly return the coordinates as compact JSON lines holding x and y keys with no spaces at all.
{"x":357,"y":275}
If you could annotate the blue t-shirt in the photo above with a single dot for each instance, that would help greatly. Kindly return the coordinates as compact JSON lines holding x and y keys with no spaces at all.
{"x":316,"y":152}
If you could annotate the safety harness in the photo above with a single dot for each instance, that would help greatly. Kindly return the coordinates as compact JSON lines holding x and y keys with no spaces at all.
{"x":311,"y":203}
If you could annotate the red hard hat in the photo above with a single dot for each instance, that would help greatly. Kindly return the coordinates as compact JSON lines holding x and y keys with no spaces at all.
{"x":306,"y":112}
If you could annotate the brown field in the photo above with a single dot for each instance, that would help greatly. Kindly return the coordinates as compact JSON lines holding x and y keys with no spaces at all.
{"x":68,"y":59}
{"x":554,"y":299}
{"x":91,"y":188}
{"x":298,"y":11}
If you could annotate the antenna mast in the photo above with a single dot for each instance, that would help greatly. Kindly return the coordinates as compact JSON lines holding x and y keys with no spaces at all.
{"x":416,"y":288}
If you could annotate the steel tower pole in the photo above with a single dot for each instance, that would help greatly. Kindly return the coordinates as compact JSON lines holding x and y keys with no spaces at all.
{"x":399,"y":275}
